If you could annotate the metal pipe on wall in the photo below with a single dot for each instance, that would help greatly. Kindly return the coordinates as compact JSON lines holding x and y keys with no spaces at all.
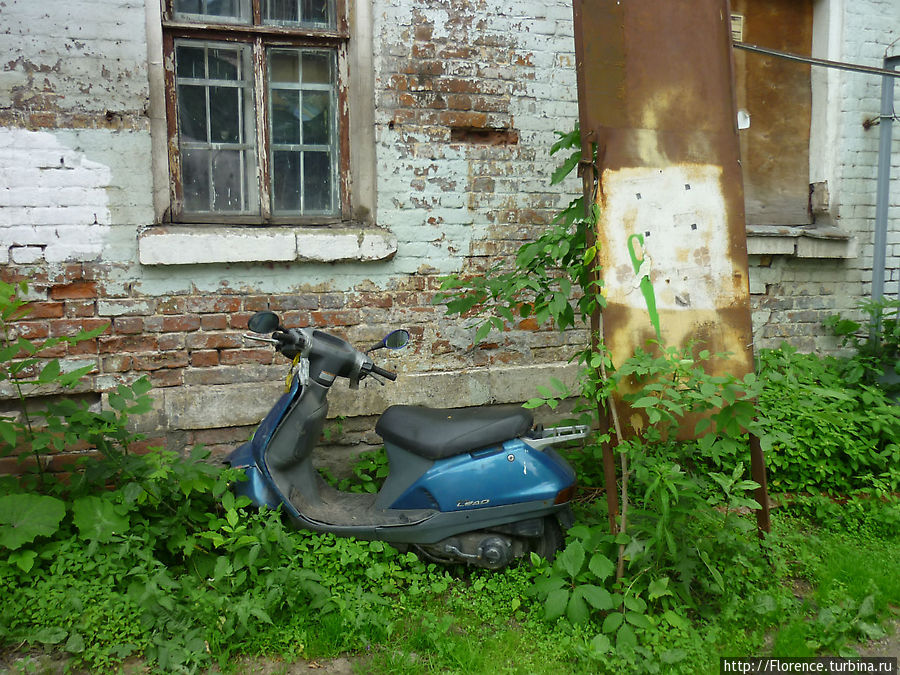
{"x":882,"y":200}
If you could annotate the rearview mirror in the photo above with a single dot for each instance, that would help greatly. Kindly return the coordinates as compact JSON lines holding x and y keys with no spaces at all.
{"x":264,"y":322}
{"x":396,"y":339}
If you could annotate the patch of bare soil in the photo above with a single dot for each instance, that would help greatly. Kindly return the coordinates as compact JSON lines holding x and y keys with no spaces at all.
{"x":56,"y":664}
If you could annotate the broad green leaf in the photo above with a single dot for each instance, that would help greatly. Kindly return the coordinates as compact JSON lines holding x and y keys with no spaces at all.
{"x":635,"y":603}
{"x":612,"y":622}
{"x":23,"y":559}
{"x":75,"y":644}
{"x":566,"y":168}
{"x":601,"y":566}
{"x":658,"y":588}
{"x":645,"y":402}
{"x":556,"y":603}
{"x":98,"y":519}
{"x":626,"y":639}
{"x":577,"y":609}
{"x":26,"y":516}
{"x":8,"y":433}
{"x":671,"y":656}
{"x":601,"y":644}
{"x":482,"y":332}
{"x":597,"y":596}
{"x":638,"y":620}
{"x":50,"y":635}
{"x":49,"y":372}
{"x":572,"y":558}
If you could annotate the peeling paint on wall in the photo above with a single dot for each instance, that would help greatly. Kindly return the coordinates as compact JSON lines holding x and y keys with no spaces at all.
{"x":54,"y":205}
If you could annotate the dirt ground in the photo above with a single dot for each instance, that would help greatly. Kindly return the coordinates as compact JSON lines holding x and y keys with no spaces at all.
{"x":888,"y":646}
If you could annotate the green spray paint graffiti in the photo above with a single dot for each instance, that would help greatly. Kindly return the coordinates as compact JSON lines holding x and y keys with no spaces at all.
{"x":646,"y":284}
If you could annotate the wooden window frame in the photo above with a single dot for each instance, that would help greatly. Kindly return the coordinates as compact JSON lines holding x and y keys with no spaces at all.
{"x":259,"y":37}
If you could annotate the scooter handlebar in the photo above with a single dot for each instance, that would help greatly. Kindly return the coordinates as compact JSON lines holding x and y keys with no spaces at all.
{"x":384,"y":373}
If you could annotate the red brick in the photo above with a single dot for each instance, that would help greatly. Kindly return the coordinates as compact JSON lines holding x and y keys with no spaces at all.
{"x":127,"y":343}
{"x":116,"y":364}
{"x":216,"y":321}
{"x":33,"y":330}
{"x":171,"y":305}
{"x":233,"y":357}
{"x":335,"y":318}
{"x":65,"y":327}
{"x":295,"y":319}
{"x":205,"y":358}
{"x":77,"y":289}
{"x":211,"y":305}
{"x":74,"y":272}
{"x":94,"y":324}
{"x":83,"y":347}
{"x":256,"y":303}
{"x":81,"y":308}
{"x":144,"y":446}
{"x":173,"y":377}
{"x":128,"y":325}
{"x":214,"y":341}
{"x":171,"y":341}
{"x":159,"y":360}
{"x":46,"y":310}
{"x":180,"y":323}
{"x":56,"y":352}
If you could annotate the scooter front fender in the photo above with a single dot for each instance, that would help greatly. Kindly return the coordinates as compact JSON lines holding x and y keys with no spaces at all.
{"x":257,"y":486}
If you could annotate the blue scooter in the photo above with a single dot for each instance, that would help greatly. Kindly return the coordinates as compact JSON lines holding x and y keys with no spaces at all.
{"x":479,"y":486}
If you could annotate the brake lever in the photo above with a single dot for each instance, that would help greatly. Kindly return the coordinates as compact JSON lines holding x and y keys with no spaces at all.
{"x":247,"y":336}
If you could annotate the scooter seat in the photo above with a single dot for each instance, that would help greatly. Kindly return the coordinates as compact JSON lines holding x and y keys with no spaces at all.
{"x":436,"y":433}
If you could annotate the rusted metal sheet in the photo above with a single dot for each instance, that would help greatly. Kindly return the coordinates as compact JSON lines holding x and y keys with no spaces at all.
{"x":777,"y":95}
{"x":656,"y":96}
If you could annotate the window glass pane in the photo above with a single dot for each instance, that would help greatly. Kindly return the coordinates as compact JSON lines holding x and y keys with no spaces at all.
{"x":216,"y":128}
{"x":285,"y":116}
{"x":316,"y":11}
{"x":227,"y":11}
{"x":225,"y":115}
{"x":284,"y":66}
{"x":195,"y":167}
{"x":303,"y":118}
{"x":228,"y":181}
{"x":286,"y":182}
{"x":192,"y":113}
{"x":224,"y":64}
{"x":316,"y":181}
{"x":317,"y":67}
{"x":311,"y":13}
{"x":316,"y":117}
{"x":191,"y":62}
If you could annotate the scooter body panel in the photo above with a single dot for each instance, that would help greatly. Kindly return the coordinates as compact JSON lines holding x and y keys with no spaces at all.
{"x":511,"y":473}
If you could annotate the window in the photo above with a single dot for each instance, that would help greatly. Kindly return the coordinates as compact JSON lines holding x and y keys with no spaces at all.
{"x":256,"y":110}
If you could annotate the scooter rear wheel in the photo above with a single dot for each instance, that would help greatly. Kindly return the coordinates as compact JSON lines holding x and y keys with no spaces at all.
{"x":550,"y":541}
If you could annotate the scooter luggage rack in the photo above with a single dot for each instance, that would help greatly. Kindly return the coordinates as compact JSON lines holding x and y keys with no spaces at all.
{"x":540,"y":438}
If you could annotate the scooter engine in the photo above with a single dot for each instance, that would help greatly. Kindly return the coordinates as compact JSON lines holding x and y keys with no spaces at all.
{"x":483,"y":549}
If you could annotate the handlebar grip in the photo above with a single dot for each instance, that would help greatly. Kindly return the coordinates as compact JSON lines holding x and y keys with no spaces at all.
{"x":384,"y":373}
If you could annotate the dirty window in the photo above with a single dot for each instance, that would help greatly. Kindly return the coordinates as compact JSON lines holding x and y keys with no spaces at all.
{"x":216,"y":127}
{"x":255,"y":122}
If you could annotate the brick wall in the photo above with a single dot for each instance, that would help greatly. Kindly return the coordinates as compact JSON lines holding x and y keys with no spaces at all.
{"x":467,"y":98}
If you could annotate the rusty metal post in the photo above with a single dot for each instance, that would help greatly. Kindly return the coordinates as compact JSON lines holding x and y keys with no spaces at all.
{"x":656,"y":96}
{"x":589,"y":180}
